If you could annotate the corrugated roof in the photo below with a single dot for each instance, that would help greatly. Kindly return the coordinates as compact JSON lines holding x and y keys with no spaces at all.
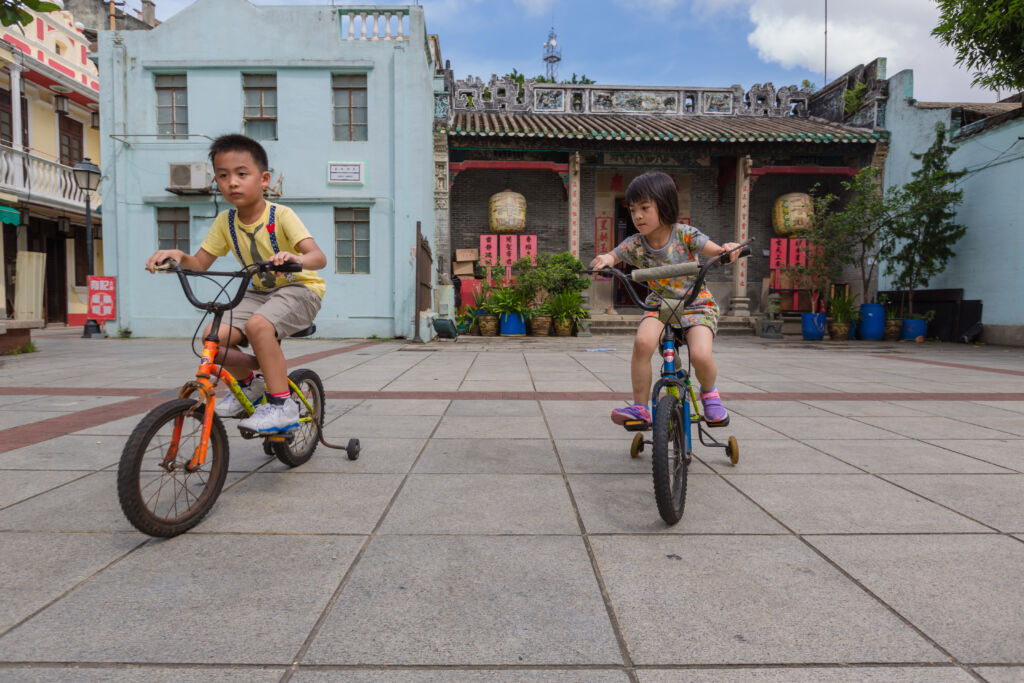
{"x":652,"y":128}
{"x":983,"y":108}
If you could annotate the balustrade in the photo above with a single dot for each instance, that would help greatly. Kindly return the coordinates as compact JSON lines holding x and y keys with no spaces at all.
{"x":374,"y":23}
{"x":27,"y":176}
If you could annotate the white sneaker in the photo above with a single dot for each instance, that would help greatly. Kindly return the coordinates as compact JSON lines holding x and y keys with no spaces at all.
{"x":271,"y":418}
{"x":229,"y":406}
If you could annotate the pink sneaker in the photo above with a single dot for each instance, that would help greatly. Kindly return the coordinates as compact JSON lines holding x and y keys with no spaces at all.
{"x":714,"y":412}
{"x":637,"y":411}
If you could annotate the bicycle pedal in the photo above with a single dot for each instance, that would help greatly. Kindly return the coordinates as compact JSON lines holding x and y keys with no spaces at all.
{"x":636,"y":425}
{"x":248,"y":433}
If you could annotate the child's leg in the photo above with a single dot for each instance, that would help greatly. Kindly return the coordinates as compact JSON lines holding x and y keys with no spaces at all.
{"x":648,"y":335}
{"x":699,"y":340}
{"x":239,"y":363}
{"x":263,"y":338}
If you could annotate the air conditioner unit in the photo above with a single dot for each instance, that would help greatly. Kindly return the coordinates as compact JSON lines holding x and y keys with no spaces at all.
{"x":189,"y":178}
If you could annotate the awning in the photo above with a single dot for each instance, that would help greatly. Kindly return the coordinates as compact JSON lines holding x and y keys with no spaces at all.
{"x":10,"y":216}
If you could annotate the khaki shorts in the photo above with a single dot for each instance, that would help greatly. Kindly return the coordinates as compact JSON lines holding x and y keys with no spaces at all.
{"x":290,"y":309}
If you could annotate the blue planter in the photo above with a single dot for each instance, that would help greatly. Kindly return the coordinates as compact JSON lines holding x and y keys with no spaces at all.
{"x":813,"y":325}
{"x":871,"y":325}
{"x":512,"y":325}
{"x":853,"y":330}
{"x":912,"y":329}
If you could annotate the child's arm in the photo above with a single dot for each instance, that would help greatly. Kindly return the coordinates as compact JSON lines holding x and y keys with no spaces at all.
{"x":710,"y":249}
{"x":309,"y":256}
{"x":604,"y":261}
{"x":201,"y":261}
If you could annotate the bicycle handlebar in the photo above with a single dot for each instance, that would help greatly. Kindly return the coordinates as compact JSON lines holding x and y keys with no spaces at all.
{"x":245,"y":274}
{"x":672,"y":270}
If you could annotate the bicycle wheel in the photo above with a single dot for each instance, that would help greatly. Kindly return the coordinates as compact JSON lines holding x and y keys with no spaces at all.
{"x":158,"y":493}
{"x":304,"y":439}
{"x":669,"y":461}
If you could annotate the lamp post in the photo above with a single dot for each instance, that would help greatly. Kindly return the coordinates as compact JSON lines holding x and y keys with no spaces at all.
{"x":87,"y":177}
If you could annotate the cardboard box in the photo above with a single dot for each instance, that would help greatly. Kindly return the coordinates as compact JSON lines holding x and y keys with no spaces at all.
{"x":467,"y":254}
{"x":461,"y":268}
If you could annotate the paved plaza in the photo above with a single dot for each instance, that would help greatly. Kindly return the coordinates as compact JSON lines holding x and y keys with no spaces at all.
{"x":496,"y":529}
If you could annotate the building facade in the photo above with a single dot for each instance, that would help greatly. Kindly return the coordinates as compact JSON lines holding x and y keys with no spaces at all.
{"x":989,"y":141}
{"x":49,"y":95}
{"x":342,"y":100}
{"x":572,"y":150}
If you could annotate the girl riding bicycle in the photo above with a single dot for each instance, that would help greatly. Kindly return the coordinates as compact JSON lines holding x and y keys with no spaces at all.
{"x":654,"y":206}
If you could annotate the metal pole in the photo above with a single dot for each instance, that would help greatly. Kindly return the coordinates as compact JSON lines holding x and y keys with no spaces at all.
{"x":826,"y":46}
{"x":416,"y":280}
{"x":92,"y":328}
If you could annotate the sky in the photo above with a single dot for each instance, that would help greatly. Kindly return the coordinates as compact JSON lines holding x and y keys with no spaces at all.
{"x":706,"y":43}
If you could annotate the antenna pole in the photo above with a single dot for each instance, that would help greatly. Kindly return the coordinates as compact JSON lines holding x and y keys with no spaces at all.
{"x":826,"y":45}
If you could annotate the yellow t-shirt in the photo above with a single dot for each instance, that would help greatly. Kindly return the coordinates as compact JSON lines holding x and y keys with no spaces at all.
{"x":289,"y":231}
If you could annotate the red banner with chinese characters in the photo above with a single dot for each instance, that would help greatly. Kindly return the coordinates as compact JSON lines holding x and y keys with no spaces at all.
{"x":528,"y":247}
{"x":102,"y":297}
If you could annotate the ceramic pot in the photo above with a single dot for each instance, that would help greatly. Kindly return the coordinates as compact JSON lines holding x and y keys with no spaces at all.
{"x":563,"y":328}
{"x":839,"y":331}
{"x":488,"y":325}
{"x":893,"y":328}
{"x":540,"y":326}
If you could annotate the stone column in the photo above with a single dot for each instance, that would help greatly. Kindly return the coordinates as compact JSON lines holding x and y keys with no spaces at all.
{"x":16,"y":122}
{"x":574,"y":204}
{"x":739,"y":305}
{"x":442,"y":212}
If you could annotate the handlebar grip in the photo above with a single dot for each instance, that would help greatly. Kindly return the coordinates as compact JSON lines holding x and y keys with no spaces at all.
{"x":290,"y":267}
{"x":745,"y":251}
{"x":661,"y":272}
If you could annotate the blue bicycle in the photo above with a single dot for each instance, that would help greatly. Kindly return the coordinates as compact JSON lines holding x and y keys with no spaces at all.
{"x":674,"y":405}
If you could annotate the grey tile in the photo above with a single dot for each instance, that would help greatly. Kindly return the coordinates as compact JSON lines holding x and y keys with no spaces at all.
{"x":596,"y":456}
{"x":376,"y":456}
{"x":1008,"y":453}
{"x":777,"y":456}
{"x":1002,"y":674}
{"x":745,"y":600}
{"x":160,"y":593}
{"x":469,"y":600}
{"x":297,"y":502}
{"x":465,"y":408}
{"x":866,"y":408}
{"x":17,"y":485}
{"x":555,"y":410}
{"x":594,"y":427}
{"x":72,"y":452}
{"x":626,"y":504}
{"x":495,"y":456}
{"x":155,"y":674}
{"x":378,"y":406}
{"x":785,"y":674}
{"x":901,"y":456}
{"x":380,"y":426}
{"x":482,"y":504}
{"x":993,"y":499}
{"x":776,"y":409}
{"x":488,"y":427}
{"x":825,"y":428}
{"x":10,"y":419}
{"x":962,"y":590}
{"x":847,"y":503}
{"x":933,"y":428}
{"x":461,"y":676}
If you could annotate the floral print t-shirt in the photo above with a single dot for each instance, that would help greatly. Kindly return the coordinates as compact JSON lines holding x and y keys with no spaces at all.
{"x":683,"y":245}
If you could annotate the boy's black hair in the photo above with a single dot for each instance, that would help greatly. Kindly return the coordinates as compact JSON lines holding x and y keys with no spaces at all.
{"x":659,"y":188}
{"x":240,"y":143}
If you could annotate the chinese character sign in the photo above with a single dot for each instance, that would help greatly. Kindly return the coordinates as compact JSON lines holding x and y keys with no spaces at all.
{"x":603,"y":235}
{"x":509,"y":249}
{"x":528,"y":247}
{"x":102,"y":297}
{"x":488,"y":250}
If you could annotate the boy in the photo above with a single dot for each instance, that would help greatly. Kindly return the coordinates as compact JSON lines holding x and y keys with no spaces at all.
{"x":276,"y":305}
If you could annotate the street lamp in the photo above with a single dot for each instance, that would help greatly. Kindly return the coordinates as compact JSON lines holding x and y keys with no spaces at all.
{"x":87,"y":177}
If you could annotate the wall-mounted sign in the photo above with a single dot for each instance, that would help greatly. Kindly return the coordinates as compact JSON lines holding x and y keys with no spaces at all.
{"x":344,"y":173}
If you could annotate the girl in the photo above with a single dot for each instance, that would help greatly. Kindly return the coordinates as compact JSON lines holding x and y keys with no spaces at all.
{"x":654,"y":205}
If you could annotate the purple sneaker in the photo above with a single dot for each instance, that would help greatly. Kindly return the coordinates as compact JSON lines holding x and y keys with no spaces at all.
{"x":637,"y":411}
{"x":714,"y":412}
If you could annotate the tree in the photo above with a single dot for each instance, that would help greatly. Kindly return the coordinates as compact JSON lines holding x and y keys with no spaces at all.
{"x":986,"y":35}
{"x":15,"y":11}
{"x":921,"y":237}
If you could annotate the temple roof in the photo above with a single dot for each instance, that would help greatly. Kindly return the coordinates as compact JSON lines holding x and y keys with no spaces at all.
{"x":656,"y":128}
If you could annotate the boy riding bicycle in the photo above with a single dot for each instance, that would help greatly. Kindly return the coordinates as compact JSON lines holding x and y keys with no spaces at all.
{"x":654,"y":206}
{"x":276,"y":305}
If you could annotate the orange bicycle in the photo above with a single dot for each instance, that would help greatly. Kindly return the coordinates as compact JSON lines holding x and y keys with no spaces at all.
{"x":174,"y":464}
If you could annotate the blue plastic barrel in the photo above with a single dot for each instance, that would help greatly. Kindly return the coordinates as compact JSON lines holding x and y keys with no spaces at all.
{"x":871,"y":325}
{"x":813,"y":325}
{"x":912,"y":329}
{"x":512,"y":325}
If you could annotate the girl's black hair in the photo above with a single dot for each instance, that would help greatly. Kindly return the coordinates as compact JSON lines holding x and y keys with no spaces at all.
{"x":659,"y":188}
{"x":240,"y":143}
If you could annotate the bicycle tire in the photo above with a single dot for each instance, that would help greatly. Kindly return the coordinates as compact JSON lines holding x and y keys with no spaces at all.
{"x":140,"y":495}
{"x":300,"y":448}
{"x":669,"y":463}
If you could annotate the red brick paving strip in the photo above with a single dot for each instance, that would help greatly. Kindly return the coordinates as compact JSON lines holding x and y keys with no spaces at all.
{"x":29,"y":434}
{"x":623,"y":396}
{"x":979,"y":368}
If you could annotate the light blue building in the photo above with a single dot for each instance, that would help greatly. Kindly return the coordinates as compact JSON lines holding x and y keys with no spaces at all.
{"x":342,"y":100}
{"x":989,"y":138}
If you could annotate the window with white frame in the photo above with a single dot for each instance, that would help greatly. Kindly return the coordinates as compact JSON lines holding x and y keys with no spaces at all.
{"x":171,"y":105}
{"x":351,"y":240}
{"x":350,"y":106}
{"x":172,"y":229}
{"x":260,"y":105}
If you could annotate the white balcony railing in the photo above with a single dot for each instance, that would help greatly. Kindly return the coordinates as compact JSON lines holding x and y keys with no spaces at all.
{"x":374,"y":23}
{"x":38,"y":179}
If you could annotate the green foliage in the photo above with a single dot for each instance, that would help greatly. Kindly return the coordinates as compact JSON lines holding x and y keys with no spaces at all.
{"x":27,"y":347}
{"x":467,"y":318}
{"x":825,"y":253}
{"x":14,"y":11}
{"x":853,"y":98}
{"x":807,"y":85}
{"x":920,"y":240}
{"x":124,"y":332}
{"x":565,"y":306}
{"x":986,"y":35}
{"x":507,"y":299}
{"x":843,"y":308}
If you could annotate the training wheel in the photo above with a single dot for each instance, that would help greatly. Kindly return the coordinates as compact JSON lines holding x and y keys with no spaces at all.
{"x":733,"y":450}
{"x":352,"y":449}
{"x":267,"y":448}
{"x":637,"y":447}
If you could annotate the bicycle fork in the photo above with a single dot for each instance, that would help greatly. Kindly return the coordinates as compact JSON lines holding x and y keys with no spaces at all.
{"x":672,"y":378}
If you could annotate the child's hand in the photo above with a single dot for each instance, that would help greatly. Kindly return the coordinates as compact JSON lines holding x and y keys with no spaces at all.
{"x":159,"y":257}
{"x":602,"y":261}
{"x":285,"y":257}
{"x":728,"y":246}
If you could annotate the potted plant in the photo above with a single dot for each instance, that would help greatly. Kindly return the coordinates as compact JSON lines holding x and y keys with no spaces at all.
{"x":844,"y":312}
{"x":924,"y":233}
{"x":508,"y":304}
{"x":486,"y":320}
{"x":892,"y":324}
{"x":565,"y":308}
{"x":466,"y":321}
{"x":540,"y":322}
